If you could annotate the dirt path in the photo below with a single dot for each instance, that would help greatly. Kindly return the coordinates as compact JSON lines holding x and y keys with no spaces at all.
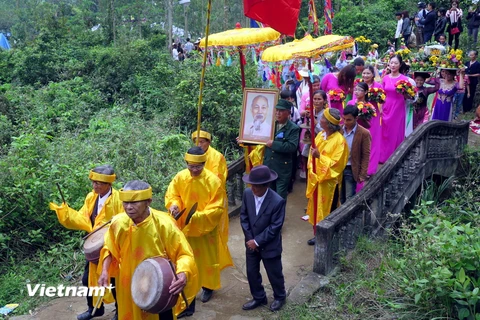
{"x":226,"y":303}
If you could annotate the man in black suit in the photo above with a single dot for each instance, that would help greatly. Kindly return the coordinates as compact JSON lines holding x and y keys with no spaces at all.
{"x":262,"y":216}
{"x":428,"y":22}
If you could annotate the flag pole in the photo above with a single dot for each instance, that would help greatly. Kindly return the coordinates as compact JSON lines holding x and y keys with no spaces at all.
{"x":202,"y":77}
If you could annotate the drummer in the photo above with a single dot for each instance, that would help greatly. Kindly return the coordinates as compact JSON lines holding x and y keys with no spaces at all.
{"x":135,"y":228}
{"x":100,"y":205}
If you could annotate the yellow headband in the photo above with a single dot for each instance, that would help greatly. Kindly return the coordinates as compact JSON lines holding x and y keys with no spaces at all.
{"x":203,"y":134}
{"x":94,"y":176}
{"x":135,"y":195}
{"x":330,"y":118}
{"x":195,"y":158}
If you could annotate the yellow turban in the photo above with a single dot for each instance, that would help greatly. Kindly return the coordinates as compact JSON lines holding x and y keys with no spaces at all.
{"x":108,"y":178}
{"x":203,"y":134}
{"x":195,"y":158}
{"x":135,"y":195}
{"x":330,"y":118}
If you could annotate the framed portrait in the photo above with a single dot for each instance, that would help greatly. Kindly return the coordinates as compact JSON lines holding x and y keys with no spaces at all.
{"x":257,"y":124}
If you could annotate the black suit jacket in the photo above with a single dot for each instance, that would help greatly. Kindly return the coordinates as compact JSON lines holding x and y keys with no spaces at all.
{"x":265,"y":228}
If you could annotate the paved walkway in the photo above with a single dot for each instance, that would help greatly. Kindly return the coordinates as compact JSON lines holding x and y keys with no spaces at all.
{"x":226,"y":303}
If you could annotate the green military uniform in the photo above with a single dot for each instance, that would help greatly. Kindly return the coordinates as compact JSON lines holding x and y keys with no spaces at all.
{"x":279,"y":156}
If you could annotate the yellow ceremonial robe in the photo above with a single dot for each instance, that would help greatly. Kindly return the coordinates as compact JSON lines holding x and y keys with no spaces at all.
{"x":130,"y":244}
{"x":211,"y":253}
{"x":256,"y":156}
{"x":80,"y":220}
{"x":329,"y":171}
{"x":217,"y":164}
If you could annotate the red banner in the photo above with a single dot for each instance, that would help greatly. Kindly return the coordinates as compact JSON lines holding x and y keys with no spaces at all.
{"x":281,"y":15}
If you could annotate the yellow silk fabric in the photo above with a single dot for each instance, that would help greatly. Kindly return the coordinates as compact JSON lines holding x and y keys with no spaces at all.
{"x":217,"y":164}
{"x":256,"y":156}
{"x":80,"y":220}
{"x":204,"y":230}
{"x":130,"y":244}
{"x":329,"y":167}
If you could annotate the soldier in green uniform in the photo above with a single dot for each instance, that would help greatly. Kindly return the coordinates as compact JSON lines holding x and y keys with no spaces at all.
{"x":279,"y":152}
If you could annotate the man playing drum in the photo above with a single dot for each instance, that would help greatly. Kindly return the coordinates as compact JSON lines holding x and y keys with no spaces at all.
{"x":197,"y":185}
{"x":138,"y":234}
{"x":100,"y":206}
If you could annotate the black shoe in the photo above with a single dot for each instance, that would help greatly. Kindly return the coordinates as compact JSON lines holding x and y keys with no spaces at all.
{"x":277,"y":305}
{"x":311,"y":242}
{"x":189,"y":311}
{"x":252,"y":304}
{"x":87,"y":315}
{"x":206,"y":295}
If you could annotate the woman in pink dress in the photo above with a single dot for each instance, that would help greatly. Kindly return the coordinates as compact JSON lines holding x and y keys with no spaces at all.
{"x":393,"y":111}
{"x":375,"y":129}
{"x":339,"y":80}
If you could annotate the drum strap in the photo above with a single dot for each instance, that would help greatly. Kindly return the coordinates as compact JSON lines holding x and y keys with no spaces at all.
{"x":94,"y":212}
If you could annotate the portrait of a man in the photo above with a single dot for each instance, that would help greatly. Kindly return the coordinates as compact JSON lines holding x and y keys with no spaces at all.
{"x":258,"y":115}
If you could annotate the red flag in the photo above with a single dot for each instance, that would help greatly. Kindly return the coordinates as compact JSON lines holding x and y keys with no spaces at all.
{"x":281,"y":15}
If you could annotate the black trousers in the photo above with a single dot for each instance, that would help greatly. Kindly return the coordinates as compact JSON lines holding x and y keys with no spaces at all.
{"x":274,"y":270}
{"x":85,"y":283}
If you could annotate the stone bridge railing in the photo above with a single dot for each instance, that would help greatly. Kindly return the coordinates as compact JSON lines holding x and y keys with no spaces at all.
{"x":433,"y":148}
{"x":235,"y":186}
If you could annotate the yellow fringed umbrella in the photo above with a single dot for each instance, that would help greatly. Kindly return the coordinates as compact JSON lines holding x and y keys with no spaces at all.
{"x":307,"y":47}
{"x":239,"y":37}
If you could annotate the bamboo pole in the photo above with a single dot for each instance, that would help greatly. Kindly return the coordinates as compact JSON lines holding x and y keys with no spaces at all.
{"x":312,"y":128}
{"x":202,"y":77}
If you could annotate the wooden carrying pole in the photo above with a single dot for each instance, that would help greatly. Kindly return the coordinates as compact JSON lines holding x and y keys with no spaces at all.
{"x":312,"y":128}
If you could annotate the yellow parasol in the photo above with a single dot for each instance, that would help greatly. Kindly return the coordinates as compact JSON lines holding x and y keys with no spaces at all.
{"x":306,"y":47}
{"x":240,"y":37}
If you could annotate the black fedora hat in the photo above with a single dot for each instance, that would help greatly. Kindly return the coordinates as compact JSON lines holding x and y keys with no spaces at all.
{"x":260,"y":175}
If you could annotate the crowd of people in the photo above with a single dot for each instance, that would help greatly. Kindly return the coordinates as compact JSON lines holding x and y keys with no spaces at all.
{"x":181,"y":51}
{"x":432,"y":24}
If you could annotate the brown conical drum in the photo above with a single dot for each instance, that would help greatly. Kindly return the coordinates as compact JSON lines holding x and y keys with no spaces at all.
{"x":94,"y":244}
{"x":150,"y":283}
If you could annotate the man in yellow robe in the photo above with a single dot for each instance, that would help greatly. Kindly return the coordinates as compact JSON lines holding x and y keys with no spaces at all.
{"x":217,"y":164}
{"x":330,"y":156}
{"x":198,"y":185}
{"x":138,"y":234}
{"x":100,"y":206}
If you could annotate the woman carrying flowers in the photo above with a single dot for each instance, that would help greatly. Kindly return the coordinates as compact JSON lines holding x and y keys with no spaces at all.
{"x":376,"y":96}
{"x":342,"y":80}
{"x":448,"y":87}
{"x":394,"y":110}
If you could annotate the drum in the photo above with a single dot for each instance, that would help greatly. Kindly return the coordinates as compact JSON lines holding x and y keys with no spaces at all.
{"x":150,"y":283}
{"x":94,"y":244}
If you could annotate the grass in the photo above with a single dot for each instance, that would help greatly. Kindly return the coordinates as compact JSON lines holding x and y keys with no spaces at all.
{"x":62,"y":264}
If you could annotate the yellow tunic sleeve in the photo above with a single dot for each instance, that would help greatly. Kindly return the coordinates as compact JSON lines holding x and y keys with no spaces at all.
{"x":173,"y":194}
{"x":207,"y":218}
{"x":76,"y":220}
{"x":256,"y":156}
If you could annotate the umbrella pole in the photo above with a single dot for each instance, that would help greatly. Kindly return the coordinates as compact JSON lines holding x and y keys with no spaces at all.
{"x":312,"y":130}
{"x":202,"y":77}
{"x":242,"y":70}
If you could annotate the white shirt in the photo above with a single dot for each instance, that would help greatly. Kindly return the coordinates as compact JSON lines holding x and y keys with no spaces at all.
{"x":399,"y":28}
{"x":258,"y":202}
{"x":101,"y":200}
